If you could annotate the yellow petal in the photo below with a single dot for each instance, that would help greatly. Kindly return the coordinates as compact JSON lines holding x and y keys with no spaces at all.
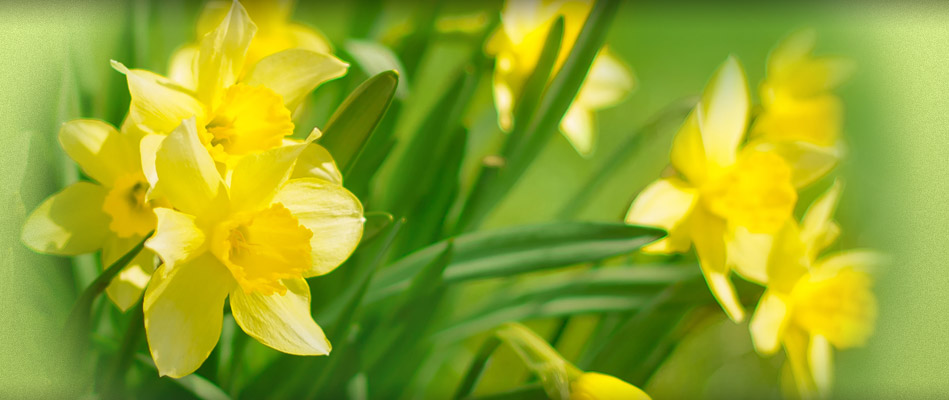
{"x":817,"y":227}
{"x":608,"y":82}
{"x":309,"y":38}
{"x":187,"y":175}
{"x":331,"y":212}
{"x":183,"y":309}
{"x":688,"y":153}
{"x":788,"y":260}
{"x":158,"y":104}
{"x":768,"y":322}
{"x":282,"y":322}
{"x":98,"y":148}
{"x":211,"y":16}
{"x":796,"y":344}
{"x":257,"y":176}
{"x":748,"y":252}
{"x":708,"y":234}
{"x":69,"y":222}
{"x":808,"y":162}
{"x":862,"y":260}
{"x":126,"y":288}
{"x":181,"y":66}
{"x":315,"y":161}
{"x":177,"y":239}
{"x":597,"y":386}
{"x":789,"y":53}
{"x":666,"y":203}
{"x":820,"y":357}
{"x":294,"y":73}
{"x":723,"y":113}
{"x":579,"y":127}
{"x":221,"y":55}
{"x":148,"y":148}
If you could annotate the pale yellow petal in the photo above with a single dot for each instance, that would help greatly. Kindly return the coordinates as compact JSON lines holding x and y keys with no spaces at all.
{"x":331,"y":212}
{"x":579,"y":127}
{"x":282,"y":322}
{"x":748,"y":253}
{"x":820,"y":357}
{"x":723,"y":113}
{"x":211,"y":16}
{"x":316,"y":162}
{"x":818,"y":227}
{"x":98,"y":148}
{"x":177,"y":239}
{"x":768,"y":322}
{"x":148,"y":148}
{"x":181,"y":66}
{"x":666,"y":203}
{"x":608,"y":82}
{"x":708,"y":235}
{"x":688,"y":152}
{"x":187,"y":175}
{"x":294,"y":73}
{"x":183,"y":309}
{"x":808,"y":162}
{"x":126,"y":288}
{"x":790,"y":52}
{"x":309,"y":38}
{"x":69,"y":222}
{"x":788,"y":260}
{"x":796,"y":344}
{"x":221,"y":55}
{"x":861,"y":260}
{"x":158,"y":104}
{"x":257,"y":176}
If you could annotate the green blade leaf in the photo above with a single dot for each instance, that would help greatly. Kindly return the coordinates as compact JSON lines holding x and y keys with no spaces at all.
{"x":351,"y":126}
{"x":376,"y":222}
{"x":512,"y":251}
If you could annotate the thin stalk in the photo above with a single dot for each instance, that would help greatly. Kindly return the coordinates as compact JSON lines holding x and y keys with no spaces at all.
{"x":477,"y":367}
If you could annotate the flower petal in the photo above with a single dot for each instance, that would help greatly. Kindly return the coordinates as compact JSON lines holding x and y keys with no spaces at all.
{"x":257,"y":176}
{"x":126,"y":288}
{"x":796,"y":344}
{"x":666,"y":203}
{"x":98,"y":148}
{"x":808,"y":162}
{"x":69,"y":222}
{"x":309,"y":38}
{"x":282,"y":322}
{"x":818,"y":229}
{"x":748,"y":253}
{"x":708,"y":234}
{"x":315,"y":161}
{"x":723,"y":113}
{"x":294,"y":73}
{"x":221,"y":55}
{"x":148,"y":148}
{"x":186,"y":172}
{"x":768,"y":322}
{"x":184,"y":307}
{"x":608,"y":82}
{"x":579,"y":127}
{"x":820,"y":357}
{"x":158,"y":104}
{"x":331,"y":212}
{"x":181,"y":66}
{"x":177,"y":239}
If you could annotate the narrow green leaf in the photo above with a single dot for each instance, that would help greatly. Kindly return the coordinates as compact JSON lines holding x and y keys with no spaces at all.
{"x":468,"y":383}
{"x":375,"y":58}
{"x":376,"y":222}
{"x":351,"y":126}
{"x":512,"y":251}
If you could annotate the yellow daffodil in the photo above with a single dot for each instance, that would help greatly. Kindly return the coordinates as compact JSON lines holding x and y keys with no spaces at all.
{"x":796,"y":95}
{"x":252,"y":238}
{"x":729,"y":198}
{"x":813,"y":304}
{"x":111,"y":214}
{"x":236,"y":114}
{"x":517,"y":47}
{"x":561,"y":379}
{"x":275,"y":33}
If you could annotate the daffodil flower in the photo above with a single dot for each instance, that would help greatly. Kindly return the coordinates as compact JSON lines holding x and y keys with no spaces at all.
{"x":813,"y":304}
{"x":252,"y":238}
{"x":560,"y":378}
{"x":275,"y":33}
{"x":111,"y":214}
{"x":729,"y":198}
{"x":796,"y":95}
{"x":517,"y":47}
{"x":236,"y":114}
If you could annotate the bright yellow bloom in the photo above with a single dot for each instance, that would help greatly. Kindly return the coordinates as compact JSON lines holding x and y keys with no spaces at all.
{"x":275,"y":33}
{"x":730,"y":197}
{"x":252,"y":238}
{"x":796,"y":95}
{"x":517,"y":47}
{"x":237,"y":113}
{"x":112,"y":214}
{"x":812,"y":305}
{"x":597,"y":386}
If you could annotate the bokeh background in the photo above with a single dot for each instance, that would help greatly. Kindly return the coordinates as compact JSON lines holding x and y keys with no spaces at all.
{"x":897,"y":168}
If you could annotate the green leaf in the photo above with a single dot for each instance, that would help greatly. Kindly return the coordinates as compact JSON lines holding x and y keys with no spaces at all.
{"x":512,"y":251}
{"x":376,"y":222}
{"x":351,"y":126}
{"x":375,"y":58}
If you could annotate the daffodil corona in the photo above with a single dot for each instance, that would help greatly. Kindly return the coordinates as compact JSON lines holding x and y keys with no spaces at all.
{"x":813,"y":304}
{"x":252,"y":238}
{"x":730,"y":197}
{"x":517,"y":47}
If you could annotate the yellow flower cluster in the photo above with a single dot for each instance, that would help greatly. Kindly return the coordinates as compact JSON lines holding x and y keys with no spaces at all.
{"x":205,"y":160}
{"x":733,"y":197}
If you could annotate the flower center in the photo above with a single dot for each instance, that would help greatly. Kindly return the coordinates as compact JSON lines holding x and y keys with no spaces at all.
{"x":755,"y":193}
{"x":263,"y":247}
{"x":250,"y":119}
{"x":125,"y":203}
{"x":841,"y":308}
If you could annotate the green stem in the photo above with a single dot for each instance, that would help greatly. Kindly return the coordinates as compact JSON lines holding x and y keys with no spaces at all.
{"x":133,"y":335}
{"x":477,"y":367}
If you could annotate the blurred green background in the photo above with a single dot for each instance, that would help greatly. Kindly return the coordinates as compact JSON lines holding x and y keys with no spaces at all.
{"x":896,"y":127}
